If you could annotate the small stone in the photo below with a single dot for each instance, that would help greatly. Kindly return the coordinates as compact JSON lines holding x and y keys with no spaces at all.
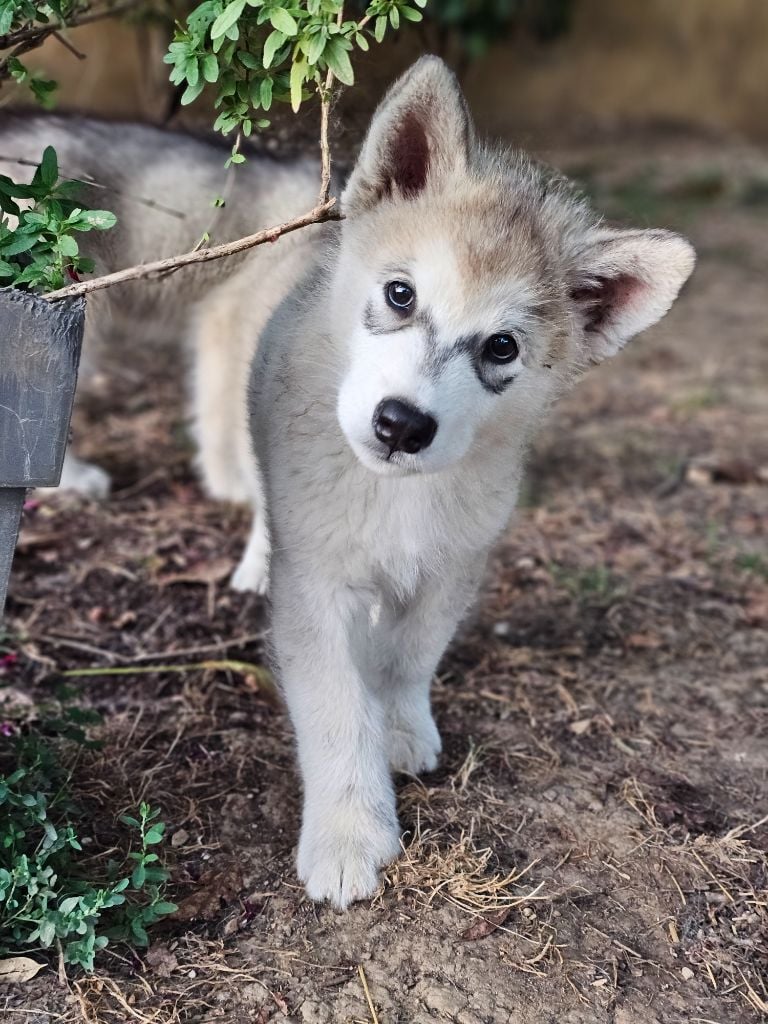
{"x":687,"y":973}
{"x":180,"y":838}
{"x":501,"y":629}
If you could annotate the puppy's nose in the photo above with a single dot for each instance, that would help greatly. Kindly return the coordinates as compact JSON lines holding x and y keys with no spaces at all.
{"x":402,"y":427}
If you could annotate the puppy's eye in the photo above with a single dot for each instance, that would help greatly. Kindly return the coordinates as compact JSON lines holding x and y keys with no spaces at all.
{"x":400,"y":295}
{"x":501,"y":348}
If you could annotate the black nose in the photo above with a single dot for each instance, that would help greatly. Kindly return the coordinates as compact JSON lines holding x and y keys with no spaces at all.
{"x":402,"y":427}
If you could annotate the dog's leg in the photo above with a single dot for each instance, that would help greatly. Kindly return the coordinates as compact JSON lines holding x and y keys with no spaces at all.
{"x":349,"y":826}
{"x":222,"y":349}
{"x":82,"y":477}
{"x":414,"y":645}
{"x":252,"y":572}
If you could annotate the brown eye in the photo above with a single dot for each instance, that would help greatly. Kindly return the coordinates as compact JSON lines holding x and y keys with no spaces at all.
{"x":501,"y":348}
{"x":400,"y":295}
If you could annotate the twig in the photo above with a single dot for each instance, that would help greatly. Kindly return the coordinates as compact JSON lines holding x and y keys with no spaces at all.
{"x":323,"y":211}
{"x":325,"y":107}
{"x":245,"y":667}
{"x":159,"y":268}
{"x":87,"y":179}
{"x":68,"y":46}
{"x":34,"y":31}
{"x":364,"y":983}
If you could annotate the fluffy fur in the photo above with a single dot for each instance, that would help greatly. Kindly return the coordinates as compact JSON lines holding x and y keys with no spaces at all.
{"x":376,"y":553}
{"x":377,"y":548}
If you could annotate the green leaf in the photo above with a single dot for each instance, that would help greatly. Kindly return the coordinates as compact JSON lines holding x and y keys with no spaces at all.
{"x":191,"y":93}
{"x":49,"y":167}
{"x":379,"y":28}
{"x":411,"y":14}
{"x":21,"y":243}
{"x":102,"y":220}
{"x":162,"y":908}
{"x":68,"y":246}
{"x":298,"y":73}
{"x":265,"y":93}
{"x":338,"y":61}
{"x":210,"y":68}
{"x":227,"y":18}
{"x":314,"y":48}
{"x":272,"y":44}
{"x":283,"y":21}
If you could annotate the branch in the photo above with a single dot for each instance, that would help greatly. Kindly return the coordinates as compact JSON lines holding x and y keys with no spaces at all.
{"x":325,"y":106}
{"x":160,"y":268}
{"x":30,"y":38}
{"x":324,"y":211}
{"x":85,"y":16}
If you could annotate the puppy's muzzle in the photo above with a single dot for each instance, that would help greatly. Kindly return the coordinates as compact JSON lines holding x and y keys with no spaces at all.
{"x":402,"y":427}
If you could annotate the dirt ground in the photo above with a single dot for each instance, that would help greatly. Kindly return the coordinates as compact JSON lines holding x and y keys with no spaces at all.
{"x":593,"y":848}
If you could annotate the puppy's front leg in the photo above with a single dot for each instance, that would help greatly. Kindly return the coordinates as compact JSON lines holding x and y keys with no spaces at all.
{"x":413,"y":646}
{"x":349,"y":827}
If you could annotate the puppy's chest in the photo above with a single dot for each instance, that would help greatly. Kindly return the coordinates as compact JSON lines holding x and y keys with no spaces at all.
{"x":419,"y":529}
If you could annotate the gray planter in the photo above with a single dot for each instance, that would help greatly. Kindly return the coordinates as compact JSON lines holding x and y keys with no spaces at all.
{"x":40,"y":346}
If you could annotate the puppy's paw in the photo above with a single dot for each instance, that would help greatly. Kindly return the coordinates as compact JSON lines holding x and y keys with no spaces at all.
{"x":414,"y":748}
{"x":83,"y":478}
{"x":342,"y":865}
{"x":251,"y":575}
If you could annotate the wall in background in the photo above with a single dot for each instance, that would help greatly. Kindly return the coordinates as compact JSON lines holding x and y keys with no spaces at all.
{"x":702,"y":63}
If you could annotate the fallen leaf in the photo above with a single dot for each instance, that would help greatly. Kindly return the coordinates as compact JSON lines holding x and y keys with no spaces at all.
{"x":180,"y":838}
{"x":19,"y":969}
{"x":484,"y":926}
{"x":580,"y":727}
{"x":212,"y":890}
{"x":162,"y":961}
{"x":204,"y":572}
{"x":649,"y":641}
{"x":756,"y":611}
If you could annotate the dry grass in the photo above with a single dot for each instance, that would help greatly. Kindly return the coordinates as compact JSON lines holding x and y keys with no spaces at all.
{"x":721,"y":928}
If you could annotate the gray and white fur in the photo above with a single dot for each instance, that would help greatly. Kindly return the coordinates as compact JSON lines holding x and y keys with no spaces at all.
{"x":391,"y":440}
{"x":410,"y":353}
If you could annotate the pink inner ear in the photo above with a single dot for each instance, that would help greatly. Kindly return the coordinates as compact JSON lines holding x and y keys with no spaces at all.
{"x":606,"y":297}
{"x":409,"y":158}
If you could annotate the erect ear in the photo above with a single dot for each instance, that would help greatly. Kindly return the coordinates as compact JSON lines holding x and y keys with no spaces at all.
{"x":624,"y":281}
{"x":420,"y":131}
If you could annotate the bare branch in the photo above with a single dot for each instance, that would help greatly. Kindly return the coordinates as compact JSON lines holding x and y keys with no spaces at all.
{"x":160,"y":268}
{"x":325,"y":105}
{"x":30,"y":38}
{"x":85,"y":16}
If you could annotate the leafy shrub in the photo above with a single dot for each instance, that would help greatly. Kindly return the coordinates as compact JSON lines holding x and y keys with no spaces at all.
{"x":47,"y":898}
{"x":40,"y":250}
{"x":53,"y":892}
{"x":259,"y":51}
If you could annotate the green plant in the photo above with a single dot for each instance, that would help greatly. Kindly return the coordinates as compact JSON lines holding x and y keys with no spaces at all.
{"x":257,"y":52}
{"x":594,"y":584}
{"x":40,"y":249}
{"x":752,"y":562}
{"x":48,"y":898}
{"x":25,"y":24}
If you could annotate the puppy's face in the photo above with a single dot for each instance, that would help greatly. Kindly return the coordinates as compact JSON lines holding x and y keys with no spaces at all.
{"x":447,"y":336}
{"x":474,"y":285}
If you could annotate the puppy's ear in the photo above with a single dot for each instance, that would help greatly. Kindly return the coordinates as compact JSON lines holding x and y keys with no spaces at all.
{"x":420,"y":131}
{"x":624,"y":282}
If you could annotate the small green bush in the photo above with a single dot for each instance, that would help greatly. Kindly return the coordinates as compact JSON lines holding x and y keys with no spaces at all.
{"x":53,"y":893}
{"x":38,"y":248}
